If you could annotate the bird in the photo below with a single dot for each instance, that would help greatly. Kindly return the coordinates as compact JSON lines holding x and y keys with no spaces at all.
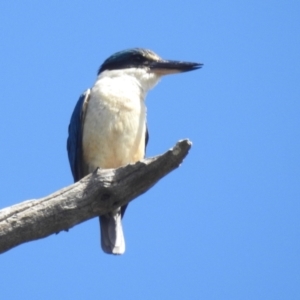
{"x":108,"y":127}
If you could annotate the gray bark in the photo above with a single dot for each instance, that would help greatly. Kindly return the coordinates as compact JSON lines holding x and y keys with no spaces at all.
{"x":94,"y":195}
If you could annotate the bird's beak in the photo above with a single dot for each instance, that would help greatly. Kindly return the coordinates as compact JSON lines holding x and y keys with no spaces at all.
{"x":165,"y":67}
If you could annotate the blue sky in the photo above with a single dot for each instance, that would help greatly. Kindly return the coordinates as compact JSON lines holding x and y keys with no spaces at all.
{"x":225,"y":225}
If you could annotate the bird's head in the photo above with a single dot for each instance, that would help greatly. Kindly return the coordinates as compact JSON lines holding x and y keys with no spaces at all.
{"x":145,"y":65}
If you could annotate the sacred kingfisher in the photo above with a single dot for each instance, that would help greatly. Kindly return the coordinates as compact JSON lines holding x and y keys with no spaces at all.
{"x":108,"y":127}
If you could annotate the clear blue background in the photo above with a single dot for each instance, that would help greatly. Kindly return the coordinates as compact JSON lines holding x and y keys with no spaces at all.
{"x":225,"y":225}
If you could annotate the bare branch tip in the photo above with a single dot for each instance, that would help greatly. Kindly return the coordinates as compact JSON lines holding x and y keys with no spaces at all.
{"x":182,"y":145}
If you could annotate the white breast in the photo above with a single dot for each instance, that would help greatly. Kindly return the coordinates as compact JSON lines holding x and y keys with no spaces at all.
{"x":115,"y":123}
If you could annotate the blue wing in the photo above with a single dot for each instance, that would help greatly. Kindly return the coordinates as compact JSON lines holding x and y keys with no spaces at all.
{"x":74,"y":142}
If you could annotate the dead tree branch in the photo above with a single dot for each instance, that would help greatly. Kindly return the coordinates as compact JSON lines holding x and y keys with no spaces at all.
{"x":96,"y":194}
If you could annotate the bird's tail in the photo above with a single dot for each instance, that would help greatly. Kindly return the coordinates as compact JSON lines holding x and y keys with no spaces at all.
{"x":112,"y":238}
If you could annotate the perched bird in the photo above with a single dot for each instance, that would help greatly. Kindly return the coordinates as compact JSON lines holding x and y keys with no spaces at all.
{"x":108,"y":126}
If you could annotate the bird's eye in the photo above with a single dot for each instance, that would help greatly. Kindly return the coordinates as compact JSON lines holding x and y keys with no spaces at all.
{"x":139,"y":58}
